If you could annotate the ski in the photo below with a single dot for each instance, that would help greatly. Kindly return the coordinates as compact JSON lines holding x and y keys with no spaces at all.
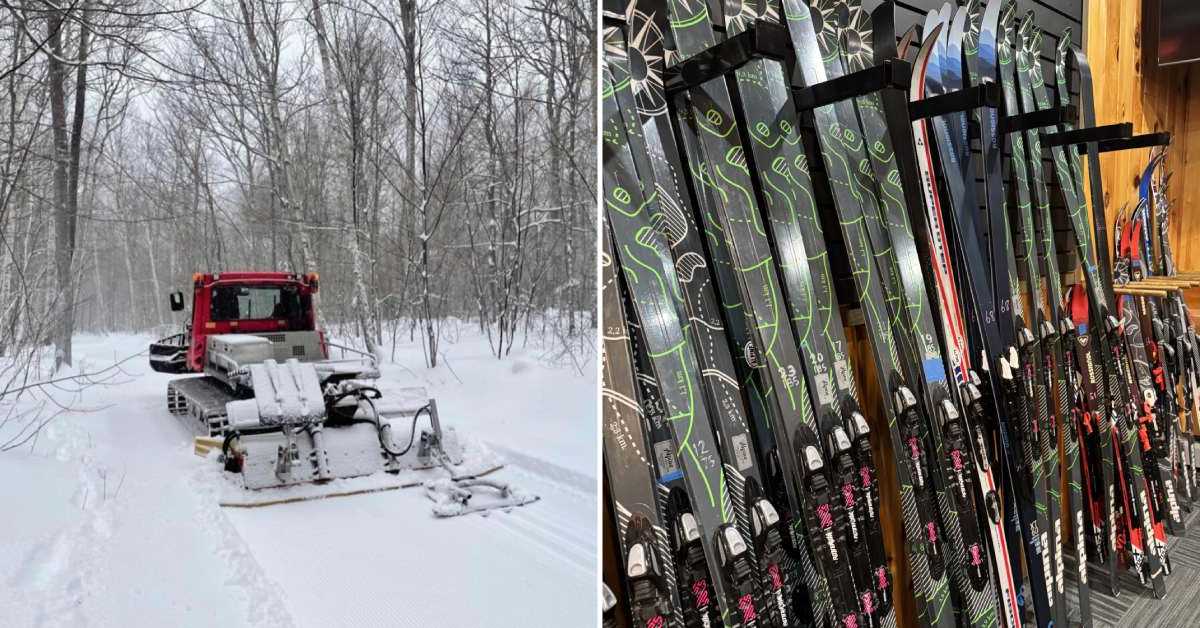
{"x":757,"y":514}
{"x":939,"y":246}
{"x":1111,"y":339}
{"x":750,"y":288}
{"x":784,"y":190}
{"x":1060,"y":360}
{"x":641,"y":536}
{"x":713,"y":560}
{"x":874,"y":223}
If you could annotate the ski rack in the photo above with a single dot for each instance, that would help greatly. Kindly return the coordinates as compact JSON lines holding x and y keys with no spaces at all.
{"x":1088,"y":135}
{"x":1107,"y":137}
{"x":1144,"y":140}
{"x":766,"y":40}
{"x":762,"y":40}
{"x":888,"y":77}
{"x":1052,"y":116}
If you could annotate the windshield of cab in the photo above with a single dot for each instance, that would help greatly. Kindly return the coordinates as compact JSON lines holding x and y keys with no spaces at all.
{"x":241,"y":303}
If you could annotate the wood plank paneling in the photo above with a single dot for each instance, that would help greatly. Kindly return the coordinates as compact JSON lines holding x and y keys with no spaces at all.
{"x":1129,"y":86}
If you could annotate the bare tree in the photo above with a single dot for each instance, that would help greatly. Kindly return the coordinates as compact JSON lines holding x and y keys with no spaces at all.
{"x":431,"y":158}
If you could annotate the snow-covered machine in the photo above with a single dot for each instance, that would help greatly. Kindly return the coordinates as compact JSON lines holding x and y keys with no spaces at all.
{"x":285,"y":413}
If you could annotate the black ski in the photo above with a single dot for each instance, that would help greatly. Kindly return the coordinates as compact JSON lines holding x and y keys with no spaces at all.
{"x":643,"y":544}
{"x":725,"y":193}
{"x":757,"y":515}
{"x":1060,"y":361}
{"x":776,"y":159}
{"x":691,"y":479}
{"x":883,"y":258}
{"x":1110,"y":340}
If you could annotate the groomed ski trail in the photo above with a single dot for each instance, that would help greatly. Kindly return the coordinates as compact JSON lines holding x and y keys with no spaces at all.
{"x":113,"y":521}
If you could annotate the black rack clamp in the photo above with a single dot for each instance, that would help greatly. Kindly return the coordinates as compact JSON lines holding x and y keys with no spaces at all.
{"x":1053,"y":116}
{"x":892,"y":73}
{"x":1087,"y":135}
{"x":986,"y":94}
{"x":895,"y":74}
{"x":1144,"y":140}
{"x":760,"y":40}
{"x":773,"y":41}
{"x":890,"y":80}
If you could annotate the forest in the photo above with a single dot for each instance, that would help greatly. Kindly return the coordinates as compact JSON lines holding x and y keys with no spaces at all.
{"x":432,"y":160}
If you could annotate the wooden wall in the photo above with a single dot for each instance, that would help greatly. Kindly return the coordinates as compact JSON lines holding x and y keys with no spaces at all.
{"x":1129,"y":86}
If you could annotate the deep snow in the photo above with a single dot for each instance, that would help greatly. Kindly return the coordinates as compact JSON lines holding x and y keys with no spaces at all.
{"x":109,"y":519}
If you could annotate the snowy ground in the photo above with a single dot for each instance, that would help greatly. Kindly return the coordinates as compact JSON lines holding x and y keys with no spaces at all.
{"x":108,"y":519}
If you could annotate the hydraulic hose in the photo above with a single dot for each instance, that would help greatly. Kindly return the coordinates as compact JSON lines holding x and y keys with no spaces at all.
{"x":369,"y":395}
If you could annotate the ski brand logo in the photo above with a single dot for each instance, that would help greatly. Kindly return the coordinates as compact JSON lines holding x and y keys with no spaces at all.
{"x":1087,"y":356}
{"x":1152,"y":546}
{"x":1058,"y":555}
{"x":957,"y":462}
{"x":1046,"y":567}
{"x":1171,"y":502}
{"x":750,"y":354}
{"x":865,"y":474}
{"x":1080,"y":546}
{"x":1112,"y":517}
{"x":914,"y":449}
{"x":825,"y":519}
{"x":848,"y":500}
